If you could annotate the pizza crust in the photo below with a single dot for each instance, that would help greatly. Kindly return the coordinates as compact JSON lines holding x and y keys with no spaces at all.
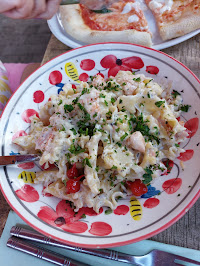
{"x":184,"y":25}
{"x":74,"y":25}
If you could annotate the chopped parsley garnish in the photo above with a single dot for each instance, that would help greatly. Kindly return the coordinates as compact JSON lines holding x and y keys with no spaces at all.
{"x":94,"y":115}
{"x":109,"y":115}
{"x":85,"y":90}
{"x":68,"y":107}
{"x":73,"y":130}
{"x":119,"y":144}
{"x":124,"y":136}
{"x":102,"y":95}
{"x":112,"y":100}
{"x":75,"y":150}
{"x":148,"y":95}
{"x":87,"y":162}
{"x":109,"y":211}
{"x":60,"y":102}
{"x":106,"y":103}
{"x":97,"y":168}
{"x":65,"y":182}
{"x":114,"y":167}
{"x":68,"y":157}
{"x":62,"y":129}
{"x":83,"y":215}
{"x":175,"y":94}
{"x":120,"y":101}
{"x":101,"y":190}
{"x":147,"y":176}
{"x":140,"y":125}
{"x":159,"y":103}
{"x":148,"y":83}
{"x":118,"y":129}
{"x":124,"y":83}
{"x":185,"y":108}
{"x":177,"y":145}
{"x":137,"y":79}
{"x":75,"y":100}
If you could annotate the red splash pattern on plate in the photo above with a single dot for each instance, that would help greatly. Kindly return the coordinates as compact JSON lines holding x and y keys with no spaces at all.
{"x":172,"y":185}
{"x":115,"y":65}
{"x":26,"y":165}
{"x":192,"y":126}
{"x":28,"y":113}
{"x":84,"y":77}
{"x":65,"y":217}
{"x":87,"y":64}
{"x":152,"y":70}
{"x":186,"y":156}
{"x":27,"y":193}
{"x":55,"y":77}
{"x":100,"y":229}
{"x":19,"y":134}
{"x":151,"y":203}
{"x":169,"y":165}
{"x":38,"y":96}
{"x":121,"y":210}
{"x":100,"y":74}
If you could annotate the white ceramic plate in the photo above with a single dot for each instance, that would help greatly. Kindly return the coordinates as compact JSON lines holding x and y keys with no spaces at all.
{"x":168,"y":197}
{"x":56,"y":27}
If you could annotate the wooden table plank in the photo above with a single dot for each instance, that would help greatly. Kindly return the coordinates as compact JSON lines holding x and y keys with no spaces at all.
{"x":184,"y":232}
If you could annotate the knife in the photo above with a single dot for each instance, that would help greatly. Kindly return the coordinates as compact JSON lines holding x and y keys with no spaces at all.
{"x":15,"y":159}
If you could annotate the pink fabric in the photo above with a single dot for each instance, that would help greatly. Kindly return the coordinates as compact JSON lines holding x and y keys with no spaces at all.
{"x":14,"y":74}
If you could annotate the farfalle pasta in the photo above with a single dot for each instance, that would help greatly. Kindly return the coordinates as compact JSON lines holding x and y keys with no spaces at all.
{"x":103,"y":136}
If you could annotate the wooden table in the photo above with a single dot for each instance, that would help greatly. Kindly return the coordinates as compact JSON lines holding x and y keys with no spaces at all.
{"x":185,"y":232}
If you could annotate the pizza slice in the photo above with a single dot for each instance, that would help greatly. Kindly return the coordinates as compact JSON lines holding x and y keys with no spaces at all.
{"x":175,"y":17}
{"x":125,"y":22}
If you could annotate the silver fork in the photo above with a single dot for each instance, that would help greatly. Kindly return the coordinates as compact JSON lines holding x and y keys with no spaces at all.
{"x":154,"y":258}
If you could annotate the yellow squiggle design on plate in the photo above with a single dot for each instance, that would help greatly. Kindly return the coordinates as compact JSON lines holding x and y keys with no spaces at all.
{"x":135,"y":209}
{"x":72,"y":71}
{"x":27,"y":177}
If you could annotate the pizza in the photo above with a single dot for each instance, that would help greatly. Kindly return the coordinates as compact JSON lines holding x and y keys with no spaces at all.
{"x":125,"y":21}
{"x":175,"y":18}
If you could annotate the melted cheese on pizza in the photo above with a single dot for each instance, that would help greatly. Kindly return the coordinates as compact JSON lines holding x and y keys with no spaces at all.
{"x":125,"y":15}
{"x":172,"y":10}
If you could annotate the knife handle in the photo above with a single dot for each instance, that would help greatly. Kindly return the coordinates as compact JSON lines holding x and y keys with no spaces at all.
{"x":41,"y":253}
{"x":15,"y":159}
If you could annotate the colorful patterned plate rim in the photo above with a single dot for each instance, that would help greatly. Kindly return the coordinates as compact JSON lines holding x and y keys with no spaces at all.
{"x":168,"y":197}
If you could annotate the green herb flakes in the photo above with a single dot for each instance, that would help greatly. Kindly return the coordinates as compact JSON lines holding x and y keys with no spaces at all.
{"x":159,"y":103}
{"x":68,"y":107}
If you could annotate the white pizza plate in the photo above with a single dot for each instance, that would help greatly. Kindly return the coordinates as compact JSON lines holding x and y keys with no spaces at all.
{"x":56,"y":27}
{"x":168,"y":198}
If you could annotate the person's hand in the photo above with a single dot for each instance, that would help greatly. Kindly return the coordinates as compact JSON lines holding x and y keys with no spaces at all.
{"x":25,"y":9}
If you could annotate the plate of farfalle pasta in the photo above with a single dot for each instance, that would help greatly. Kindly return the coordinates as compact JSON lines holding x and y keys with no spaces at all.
{"x":116,"y":128}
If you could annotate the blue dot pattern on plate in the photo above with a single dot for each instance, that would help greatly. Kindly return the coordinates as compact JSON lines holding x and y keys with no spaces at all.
{"x":151,"y":192}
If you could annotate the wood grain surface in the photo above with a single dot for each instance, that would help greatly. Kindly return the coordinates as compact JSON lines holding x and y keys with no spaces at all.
{"x":185,"y":232}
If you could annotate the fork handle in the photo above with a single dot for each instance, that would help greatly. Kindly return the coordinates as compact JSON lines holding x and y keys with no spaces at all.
{"x":42,"y":253}
{"x":103,"y":253}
